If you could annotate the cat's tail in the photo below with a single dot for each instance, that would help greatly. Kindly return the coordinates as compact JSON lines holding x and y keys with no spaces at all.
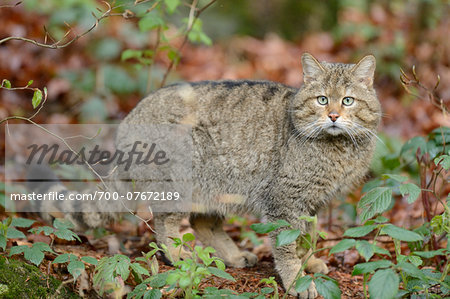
{"x":42,"y":180}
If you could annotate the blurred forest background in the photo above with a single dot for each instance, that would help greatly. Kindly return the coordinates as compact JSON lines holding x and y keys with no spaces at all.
{"x":89,"y":82}
{"x":103,"y":75}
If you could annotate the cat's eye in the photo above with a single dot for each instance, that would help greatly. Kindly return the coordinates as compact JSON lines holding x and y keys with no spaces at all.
{"x":347,"y":101}
{"x":322,"y":100}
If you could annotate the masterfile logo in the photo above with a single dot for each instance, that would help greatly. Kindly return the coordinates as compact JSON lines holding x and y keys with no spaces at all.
{"x":49,"y":166}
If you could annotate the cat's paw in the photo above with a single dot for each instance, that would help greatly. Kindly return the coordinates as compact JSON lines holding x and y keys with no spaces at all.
{"x":316,"y":265}
{"x":244,"y":259}
{"x":288,"y":275}
{"x":310,"y":293}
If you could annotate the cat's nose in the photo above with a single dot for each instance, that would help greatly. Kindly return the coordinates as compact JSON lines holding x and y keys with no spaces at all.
{"x":333,"y":116}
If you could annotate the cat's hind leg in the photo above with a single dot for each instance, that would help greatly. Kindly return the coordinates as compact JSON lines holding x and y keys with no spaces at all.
{"x":167,"y":226}
{"x":209,"y":230}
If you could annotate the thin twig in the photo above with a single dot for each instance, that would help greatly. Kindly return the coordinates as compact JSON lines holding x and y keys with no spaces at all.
{"x":188,"y":30}
{"x":10,"y":5}
{"x":431,"y":93}
{"x":59,"y":44}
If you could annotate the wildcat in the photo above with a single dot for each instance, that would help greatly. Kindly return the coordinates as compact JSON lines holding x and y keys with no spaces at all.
{"x":278,"y":151}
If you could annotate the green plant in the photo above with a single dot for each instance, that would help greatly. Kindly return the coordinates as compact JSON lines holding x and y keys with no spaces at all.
{"x":75,"y":264}
{"x":8,"y":229}
{"x":35,"y":252}
{"x":188,"y":273}
{"x":326,"y":286}
{"x":112,"y":272}
{"x":426,"y":160}
{"x":61,"y":229}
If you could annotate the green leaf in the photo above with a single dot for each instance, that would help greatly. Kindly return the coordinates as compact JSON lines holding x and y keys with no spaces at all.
{"x":37,"y":98}
{"x":63,"y":258}
{"x":413,"y":144}
{"x":152,"y":294}
{"x":42,"y":247}
{"x":287,"y":237}
{"x":139,"y":269}
{"x":61,"y":223}
{"x":401,"y":233}
{"x":150,"y":22}
{"x":343,"y":245}
{"x":220,"y":273}
{"x":267,"y":290}
{"x":412,"y":190}
{"x":17,"y":249}
{"x":46,"y":229}
{"x":359,"y":231}
{"x":22,"y":222}
{"x":430,"y":254}
{"x":34,"y":255}
{"x":384,"y":284}
{"x":90,"y":260}
{"x":75,"y":268}
{"x":380,"y":250}
{"x":219,"y":264}
{"x":370,"y":266}
{"x":302,"y":284}
{"x":172,"y":5}
{"x":30,"y":82}
{"x":188,"y":237}
{"x":174,"y":56}
{"x":13,"y":233}
{"x":122,"y":265}
{"x":264,"y":228}
{"x":443,"y":160}
{"x":130,"y":53}
{"x":6,"y":83}
{"x":380,"y":219}
{"x":415,"y":260}
{"x":66,"y":234}
{"x":2,"y":242}
{"x":396,"y":177}
{"x":205,"y":39}
{"x":411,"y":270}
{"x":328,"y":288}
{"x":159,"y":280}
{"x":365,"y":249}
{"x":184,"y":281}
{"x":375,"y":202}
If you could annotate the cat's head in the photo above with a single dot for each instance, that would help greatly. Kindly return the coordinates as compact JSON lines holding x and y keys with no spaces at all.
{"x":336,"y":99}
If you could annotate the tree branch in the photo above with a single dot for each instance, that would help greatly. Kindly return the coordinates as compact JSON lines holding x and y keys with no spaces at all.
{"x":59,"y":44}
{"x":192,"y":18}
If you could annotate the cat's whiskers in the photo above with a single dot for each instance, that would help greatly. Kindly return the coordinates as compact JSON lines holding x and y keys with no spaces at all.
{"x":303,"y":131}
{"x":367,"y":132}
{"x":352,"y":135}
{"x":350,"y":132}
{"x":311,"y":134}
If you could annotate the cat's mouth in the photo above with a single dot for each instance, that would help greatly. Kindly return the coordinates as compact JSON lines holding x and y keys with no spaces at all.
{"x":334,"y":129}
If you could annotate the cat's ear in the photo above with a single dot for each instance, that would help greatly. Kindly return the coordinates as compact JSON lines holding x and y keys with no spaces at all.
{"x":311,"y":68}
{"x":365,"y":69}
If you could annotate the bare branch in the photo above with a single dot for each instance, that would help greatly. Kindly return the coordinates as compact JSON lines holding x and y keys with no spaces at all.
{"x":189,"y":29}
{"x":60,"y":44}
{"x":10,"y":5}
{"x":432,"y":95}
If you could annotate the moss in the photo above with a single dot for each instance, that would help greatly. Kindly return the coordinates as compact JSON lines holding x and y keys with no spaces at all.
{"x":20,"y":280}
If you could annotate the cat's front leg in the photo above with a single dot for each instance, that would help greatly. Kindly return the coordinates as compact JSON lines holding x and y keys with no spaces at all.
{"x":313,"y":264}
{"x":288,"y":266}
